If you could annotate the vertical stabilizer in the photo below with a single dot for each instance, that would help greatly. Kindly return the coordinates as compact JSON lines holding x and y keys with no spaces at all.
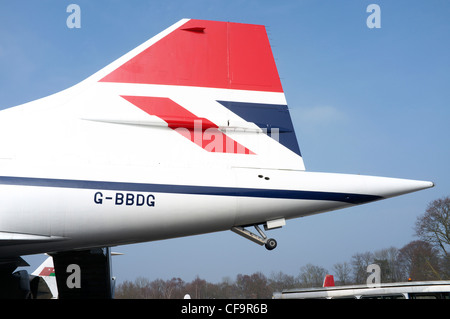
{"x":215,"y":83}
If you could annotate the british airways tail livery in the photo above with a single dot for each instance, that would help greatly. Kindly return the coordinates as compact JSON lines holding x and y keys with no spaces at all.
{"x":188,"y":133}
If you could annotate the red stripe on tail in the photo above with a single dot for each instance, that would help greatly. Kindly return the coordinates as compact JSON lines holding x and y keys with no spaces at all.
{"x":47,"y":271}
{"x":199,"y":130}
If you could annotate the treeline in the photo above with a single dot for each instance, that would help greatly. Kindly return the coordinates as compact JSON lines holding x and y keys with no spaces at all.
{"x":416,"y":261}
{"x":425,"y":259}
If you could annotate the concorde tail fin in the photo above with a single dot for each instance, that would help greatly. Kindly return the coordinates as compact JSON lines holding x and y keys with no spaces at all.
{"x":206,"y":92}
{"x":215,"y":84}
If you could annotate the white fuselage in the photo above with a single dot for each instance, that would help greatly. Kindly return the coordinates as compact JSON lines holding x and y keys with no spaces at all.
{"x":107,"y":161}
{"x":129,"y":205}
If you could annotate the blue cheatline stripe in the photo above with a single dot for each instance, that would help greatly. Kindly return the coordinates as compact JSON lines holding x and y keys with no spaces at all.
{"x":189,"y":189}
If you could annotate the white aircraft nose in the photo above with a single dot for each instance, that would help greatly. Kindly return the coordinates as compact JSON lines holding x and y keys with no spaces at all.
{"x":390,"y":187}
{"x":384,"y":187}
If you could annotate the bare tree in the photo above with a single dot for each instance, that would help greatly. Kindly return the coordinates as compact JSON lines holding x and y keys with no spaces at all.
{"x":279,"y":281}
{"x":388,"y":262}
{"x":343,"y":273}
{"x":157,"y":288}
{"x":126,"y":290}
{"x":198,"y":289}
{"x":420,"y":261}
{"x":434,"y":226}
{"x":225,"y":289}
{"x":359,"y":263}
{"x":254,"y":286}
{"x":312,"y":276}
{"x":174,"y":288}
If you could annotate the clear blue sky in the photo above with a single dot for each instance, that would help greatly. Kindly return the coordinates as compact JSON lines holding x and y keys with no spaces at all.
{"x":364,"y":101}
